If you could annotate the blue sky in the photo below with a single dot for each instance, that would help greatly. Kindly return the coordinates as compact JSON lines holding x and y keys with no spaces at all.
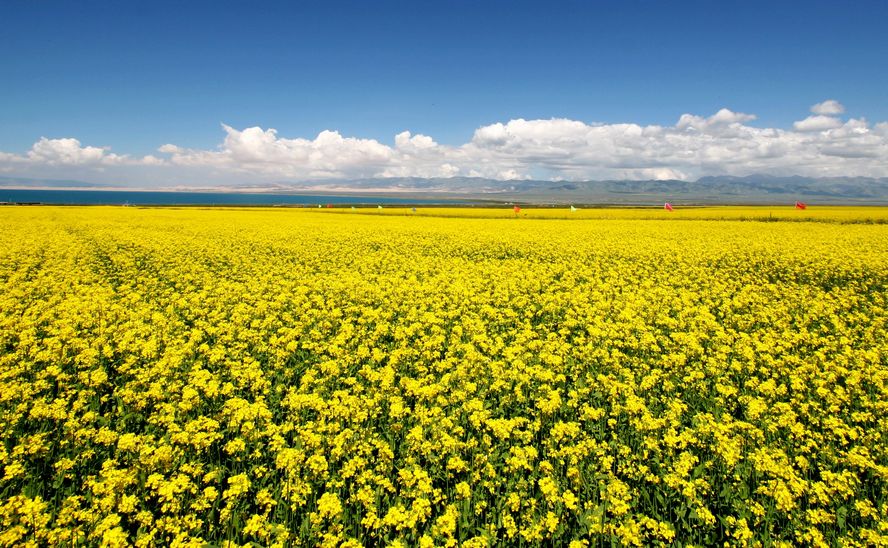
{"x":132,"y":76}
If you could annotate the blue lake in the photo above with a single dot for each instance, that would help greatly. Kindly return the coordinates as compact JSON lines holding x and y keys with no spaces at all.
{"x":115,"y":197}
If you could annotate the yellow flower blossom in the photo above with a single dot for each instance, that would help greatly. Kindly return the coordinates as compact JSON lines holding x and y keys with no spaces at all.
{"x":338,"y":377}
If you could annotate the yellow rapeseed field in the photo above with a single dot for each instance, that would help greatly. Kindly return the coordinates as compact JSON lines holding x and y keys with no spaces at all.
{"x":284,"y":377}
{"x":840,"y":214}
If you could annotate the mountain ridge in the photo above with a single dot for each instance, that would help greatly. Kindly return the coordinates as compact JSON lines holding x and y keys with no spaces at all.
{"x":756,"y":188}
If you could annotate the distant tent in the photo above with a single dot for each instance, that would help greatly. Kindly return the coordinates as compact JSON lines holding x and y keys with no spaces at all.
{"x":801,"y":205}
{"x":573,"y":209}
{"x":379,"y":207}
{"x":353,"y":208}
{"x":413,"y":209}
{"x":667,"y":206}
{"x":319,"y":206}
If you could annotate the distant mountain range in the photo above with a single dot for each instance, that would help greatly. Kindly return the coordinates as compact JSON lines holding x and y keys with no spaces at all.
{"x":64,"y":184}
{"x":752,"y":189}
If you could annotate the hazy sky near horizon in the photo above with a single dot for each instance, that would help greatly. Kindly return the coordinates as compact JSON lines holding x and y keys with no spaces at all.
{"x":169,"y":93}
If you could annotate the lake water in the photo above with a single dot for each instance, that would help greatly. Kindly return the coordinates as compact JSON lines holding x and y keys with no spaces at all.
{"x":114,"y":197}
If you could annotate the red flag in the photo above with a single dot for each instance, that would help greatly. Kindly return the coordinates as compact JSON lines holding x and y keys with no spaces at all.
{"x":667,"y":206}
{"x":801,"y":205}
{"x":517,"y":210}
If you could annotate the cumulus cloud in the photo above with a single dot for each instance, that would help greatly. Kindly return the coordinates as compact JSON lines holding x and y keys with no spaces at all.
{"x":559,"y":149}
{"x":65,"y":151}
{"x":817,"y":123}
{"x":70,"y":152}
{"x":723,"y":143}
{"x":721,"y":119}
{"x":830,"y":107}
{"x":261,"y":151}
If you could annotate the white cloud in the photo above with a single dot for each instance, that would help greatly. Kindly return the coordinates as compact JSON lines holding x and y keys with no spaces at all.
{"x":151,"y":160}
{"x":830,"y":107}
{"x":558,"y":148}
{"x":817,"y":123}
{"x":407,"y":142}
{"x":170,"y":149}
{"x":261,"y":151}
{"x":722,"y":119}
{"x":69,"y":152}
{"x":64,"y":151}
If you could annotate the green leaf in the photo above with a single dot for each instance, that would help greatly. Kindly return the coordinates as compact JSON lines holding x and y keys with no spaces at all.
{"x":841,"y":516}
